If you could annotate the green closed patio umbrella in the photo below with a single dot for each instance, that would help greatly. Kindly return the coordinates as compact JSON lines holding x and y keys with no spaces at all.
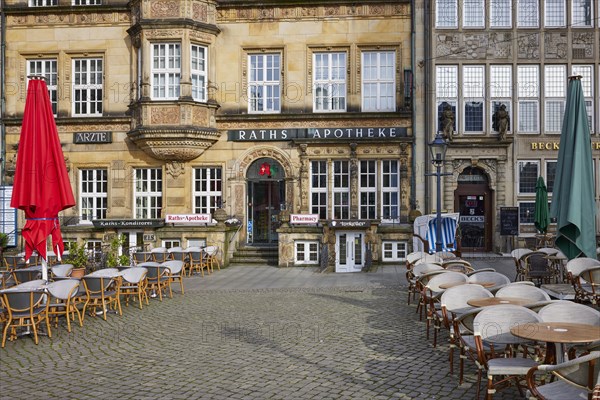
{"x":573,"y":194}
{"x":541,"y":218}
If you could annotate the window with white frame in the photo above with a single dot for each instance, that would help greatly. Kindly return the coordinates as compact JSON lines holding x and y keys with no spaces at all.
{"x":390,"y":191}
{"x":264,"y":83}
{"x":393,"y":250}
{"x":94,"y":248}
{"x":473,"y":93}
{"x":93,"y":189}
{"x":87,"y":86}
{"x":528,"y":88}
{"x":86,"y":2}
{"x":527,"y":178}
{"x":446,"y":93}
{"x":528,"y":13}
{"x":378,"y":81}
{"x":148,"y":193}
{"x":166,"y":71}
{"x":501,"y":13}
{"x":208,"y":189}
{"x":446,"y":14}
{"x":170,"y":243}
{"x":47,"y":69}
{"x":555,"y":13}
{"x":587,"y":84}
{"x":550,"y":175}
{"x":367,"y":188}
{"x":500,"y":93}
{"x":582,"y":13}
{"x":198,"y":71}
{"x":473,"y":14}
{"x":555,"y":91}
{"x":307,"y":252}
{"x":526,"y":212}
{"x":42,"y":3}
{"x":318,"y":188}
{"x":329,"y":86}
{"x":341,"y":189}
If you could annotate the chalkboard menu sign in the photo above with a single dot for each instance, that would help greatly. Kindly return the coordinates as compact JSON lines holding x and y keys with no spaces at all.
{"x":509,"y":221}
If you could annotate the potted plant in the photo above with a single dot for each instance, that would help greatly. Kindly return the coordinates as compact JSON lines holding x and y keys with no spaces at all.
{"x":3,"y":242}
{"x":78,"y":257}
{"x":113,"y":259}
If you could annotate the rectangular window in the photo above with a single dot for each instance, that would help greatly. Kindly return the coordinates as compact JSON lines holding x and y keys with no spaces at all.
{"x":528,"y":88}
{"x":500,"y":95}
{"x":555,"y":90}
{"x":378,"y":81}
{"x":501,"y":13}
{"x":447,"y":96}
{"x":171,"y":243}
{"x":473,"y":14}
{"x":581,"y":13}
{"x":166,"y":71}
{"x":318,"y":188}
{"x":341,"y":190}
{"x":528,"y":174}
{"x":307,"y":252}
{"x":550,"y":175}
{"x":587,"y":84}
{"x":393,"y":251}
{"x":555,"y":13}
{"x":198,"y":71}
{"x":329,"y":87}
{"x":473,"y":93}
{"x":390,"y":191}
{"x":148,"y":193}
{"x":367,"y":187}
{"x":87,"y":2}
{"x":87,"y":86}
{"x":526,"y":212}
{"x":264,"y":83}
{"x":528,"y":13}
{"x":208,"y":192}
{"x":42,"y":3}
{"x":47,"y":69}
{"x":93,"y":190}
{"x":446,"y":14}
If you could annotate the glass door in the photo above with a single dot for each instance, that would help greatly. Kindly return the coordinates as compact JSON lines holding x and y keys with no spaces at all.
{"x":265,"y":200}
{"x":349,"y":250}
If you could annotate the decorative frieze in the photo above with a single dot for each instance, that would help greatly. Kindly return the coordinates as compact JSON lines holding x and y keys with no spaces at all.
{"x":583,"y":45}
{"x":474,"y":46}
{"x":164,"y":9}
{"x":164,"y":115}
{"x":528,"y":46}
{"x":555,"y":45}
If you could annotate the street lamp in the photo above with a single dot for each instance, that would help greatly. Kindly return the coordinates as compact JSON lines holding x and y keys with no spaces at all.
{"x":438,"y":156}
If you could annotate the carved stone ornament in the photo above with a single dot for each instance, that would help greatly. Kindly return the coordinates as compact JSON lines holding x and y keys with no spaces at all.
{"x":174,"y":145}
{"x":175,"y":169}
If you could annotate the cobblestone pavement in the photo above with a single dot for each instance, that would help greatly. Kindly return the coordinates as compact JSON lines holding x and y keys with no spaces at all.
{"x":305,"y":336}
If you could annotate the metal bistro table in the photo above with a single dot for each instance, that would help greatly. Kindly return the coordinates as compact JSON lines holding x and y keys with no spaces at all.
{"x":559,"y":333}
{"x":495,"y":301}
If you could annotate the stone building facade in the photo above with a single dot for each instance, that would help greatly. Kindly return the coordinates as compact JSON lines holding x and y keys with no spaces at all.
{"x":501,"y":68}
{"x":228,"y":123}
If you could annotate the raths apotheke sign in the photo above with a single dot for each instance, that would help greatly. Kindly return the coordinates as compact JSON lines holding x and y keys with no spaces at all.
{"x":257,"y":135}
{"x":188,"y":218}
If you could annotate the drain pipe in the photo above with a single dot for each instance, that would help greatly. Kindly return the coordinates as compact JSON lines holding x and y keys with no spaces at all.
{"x":426,"y":100}
{"x":2,"y":92}
{"x":413,"y":178}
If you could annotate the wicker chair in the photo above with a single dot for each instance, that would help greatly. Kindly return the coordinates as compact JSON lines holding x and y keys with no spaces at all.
{"x":134,"y":285}
{"x":518,"y":256}
{"x":103,"y":292}
{"x":62,"y":301}
{"x":574,"y":269}
{"x":539,"y":268}
{"x":529,"y":292}
{"x":576,"y":379}
{"x":175,"y":272}
{"x":24,"y":308}
{"x":497,"y":278}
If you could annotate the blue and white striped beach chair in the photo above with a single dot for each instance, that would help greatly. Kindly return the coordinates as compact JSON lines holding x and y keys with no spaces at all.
{"x":448,"y":234}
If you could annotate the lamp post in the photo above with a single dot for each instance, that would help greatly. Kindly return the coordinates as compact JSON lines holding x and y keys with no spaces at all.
{"x":438,"y":149}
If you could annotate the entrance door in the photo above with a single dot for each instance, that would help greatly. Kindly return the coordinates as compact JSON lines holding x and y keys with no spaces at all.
{"x":266,"y":197}
{"x":349,"y":251}
{"x":473,"y":200}
{"x":133,"y":239}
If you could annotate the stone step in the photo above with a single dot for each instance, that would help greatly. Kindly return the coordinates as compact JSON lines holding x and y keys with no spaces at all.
{"x":255,"y":255}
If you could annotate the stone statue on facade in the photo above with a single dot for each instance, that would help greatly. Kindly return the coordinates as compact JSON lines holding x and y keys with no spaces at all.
{"x":447,"y":123}
{"x":501,"y":122}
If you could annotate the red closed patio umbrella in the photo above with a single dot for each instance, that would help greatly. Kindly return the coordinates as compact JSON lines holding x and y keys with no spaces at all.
{"x":41,"y":186}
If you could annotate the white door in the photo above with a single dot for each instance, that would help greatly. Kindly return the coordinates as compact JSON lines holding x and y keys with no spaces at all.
{"x":349,"y":251}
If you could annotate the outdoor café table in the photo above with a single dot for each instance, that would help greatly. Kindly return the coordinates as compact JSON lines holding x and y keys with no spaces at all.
{"x":452,"y":284}
{"x":557,"y":332}
{"x":494,"y":301}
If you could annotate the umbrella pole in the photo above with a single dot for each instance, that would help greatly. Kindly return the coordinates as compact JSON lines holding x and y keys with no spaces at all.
{"x":44,"y":269}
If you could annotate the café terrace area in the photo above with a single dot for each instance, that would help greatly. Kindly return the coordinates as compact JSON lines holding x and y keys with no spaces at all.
{"x":437,"y":327}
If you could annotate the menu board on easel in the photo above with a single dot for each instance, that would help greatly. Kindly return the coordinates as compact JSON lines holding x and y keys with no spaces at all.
{"x":8,"y":216}
{"x":509,"y":221}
